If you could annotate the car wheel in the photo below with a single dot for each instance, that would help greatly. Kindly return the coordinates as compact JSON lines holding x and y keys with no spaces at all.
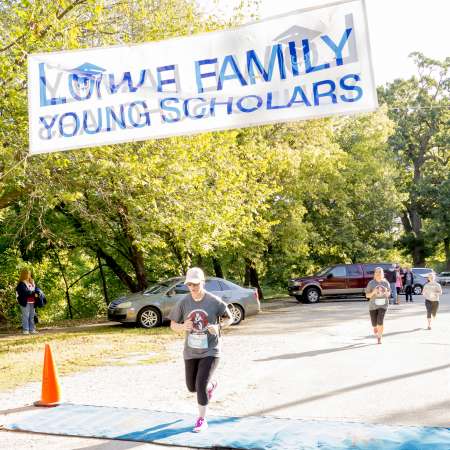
{"x":312,"y":295}
{"x":417,"y":290}
{"x":237,"y":313}
{"x":149,"y":317}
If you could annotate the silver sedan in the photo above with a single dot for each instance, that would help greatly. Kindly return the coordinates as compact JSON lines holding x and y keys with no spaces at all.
{"x":151,"y":307}
{"x":443,"y":278}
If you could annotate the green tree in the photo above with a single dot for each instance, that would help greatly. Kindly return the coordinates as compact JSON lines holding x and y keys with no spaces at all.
{"x":420,"y":109}
{"x":106,"y":202}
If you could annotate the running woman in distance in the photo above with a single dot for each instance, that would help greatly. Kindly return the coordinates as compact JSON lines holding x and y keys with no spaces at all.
{"x":431,"y":291}
{"x":378,"y":292}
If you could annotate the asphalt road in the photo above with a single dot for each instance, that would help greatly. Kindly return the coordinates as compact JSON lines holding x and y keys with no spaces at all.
{"x":293,"y":360}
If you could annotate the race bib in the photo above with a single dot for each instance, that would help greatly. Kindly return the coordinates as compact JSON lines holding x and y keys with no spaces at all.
{"x":380,"y":301}
{"x":198,"y":340}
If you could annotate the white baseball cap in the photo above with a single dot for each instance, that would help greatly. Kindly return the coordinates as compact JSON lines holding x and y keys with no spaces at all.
{"x":194,"y":275}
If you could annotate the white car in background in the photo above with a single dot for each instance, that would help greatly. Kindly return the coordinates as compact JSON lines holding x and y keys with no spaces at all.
{"x":443,"y":278}
{"x":422,"y":271}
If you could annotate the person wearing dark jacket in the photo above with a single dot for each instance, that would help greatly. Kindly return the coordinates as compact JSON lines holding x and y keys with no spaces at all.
{"x":408,"y":283}
{"x":25,"y":293}
{"x":391,"y":277}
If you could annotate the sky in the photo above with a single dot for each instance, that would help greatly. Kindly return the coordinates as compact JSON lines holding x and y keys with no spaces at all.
{"x":396,"y":28}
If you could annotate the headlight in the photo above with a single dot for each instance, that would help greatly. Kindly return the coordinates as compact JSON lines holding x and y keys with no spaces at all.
{"x":124,"y":305}
{"x":298,"y":283}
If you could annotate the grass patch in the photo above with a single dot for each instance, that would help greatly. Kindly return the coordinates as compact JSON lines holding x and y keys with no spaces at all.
{"x":22,"y":357}
{"x":274,"y":292}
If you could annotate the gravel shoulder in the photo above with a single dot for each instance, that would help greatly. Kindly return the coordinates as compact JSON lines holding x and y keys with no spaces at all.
{"x":293,"y":360}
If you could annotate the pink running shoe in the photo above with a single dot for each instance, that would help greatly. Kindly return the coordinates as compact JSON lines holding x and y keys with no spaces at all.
{"x":211,"y":388}
{"x":200,"y":425}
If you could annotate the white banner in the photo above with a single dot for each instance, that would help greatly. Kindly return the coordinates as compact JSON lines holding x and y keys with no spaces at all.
{"x":301,"y":65}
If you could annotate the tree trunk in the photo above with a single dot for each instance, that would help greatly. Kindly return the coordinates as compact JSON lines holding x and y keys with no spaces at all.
{"x":217,"y":267}
{"x":135,"y":254}
{"x":447,"y":253}
{"x":183,"y":258}
{"x":139,"y":267}
{"x":102,"y":276}
{"x":199,"y":261}
{"x":69,"y":303}
{"x":247,"y":275}
{"x":3,"y":318}
{"x":118,"y":271}
{"x":418,"y":253}
{"x":251,"y":274}
{"x":132,"y":253}
{"x":412,"y":223}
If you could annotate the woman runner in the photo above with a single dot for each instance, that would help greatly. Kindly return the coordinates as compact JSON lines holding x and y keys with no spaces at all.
{"x":378,"y":292}
{"x":198,"y":315}
{"x":431,"y":291}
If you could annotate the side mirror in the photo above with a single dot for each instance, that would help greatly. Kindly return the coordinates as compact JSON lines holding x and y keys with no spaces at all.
{"x":330,"y":275}
{"x":170,"y":292}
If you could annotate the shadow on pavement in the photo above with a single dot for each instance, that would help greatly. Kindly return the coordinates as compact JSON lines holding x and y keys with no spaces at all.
{"x":394,"y":333}
{"x":313,"y":353}
{"x":114,"y":445}
{"x":19,"y":409}
{"x":416,"y":412}
{"x":349,"y":389}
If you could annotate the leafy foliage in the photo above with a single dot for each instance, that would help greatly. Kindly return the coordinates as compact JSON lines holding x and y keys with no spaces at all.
{"x":420,"y":108}
{"x":257,"y":204}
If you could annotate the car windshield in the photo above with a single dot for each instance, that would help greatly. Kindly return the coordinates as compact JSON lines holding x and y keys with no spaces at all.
{"x":157,"y":288}
{"x":323,"y":272}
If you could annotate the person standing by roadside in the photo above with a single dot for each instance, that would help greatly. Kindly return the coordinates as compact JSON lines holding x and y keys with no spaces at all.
{"x":198,"y":315}
{"x":391,"y":277}
{"x":408,"y":283}
{"x":25,"y":291}
{"x":378,"y":292}
{"x":398,"y":283}
{"x":431,"y":291}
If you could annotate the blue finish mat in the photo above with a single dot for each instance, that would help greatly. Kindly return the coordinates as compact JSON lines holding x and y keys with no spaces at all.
{"x":250,"y":433}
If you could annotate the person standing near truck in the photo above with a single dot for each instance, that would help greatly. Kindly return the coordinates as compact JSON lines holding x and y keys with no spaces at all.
{"x":391,"y":277}
{"x":398,"y":283}
{"x":378,"y":292}
{"x":408,"y":283}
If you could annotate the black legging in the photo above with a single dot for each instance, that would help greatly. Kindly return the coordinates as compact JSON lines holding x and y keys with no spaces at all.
{"x":408,"y":292}
{"x":198,"y":374}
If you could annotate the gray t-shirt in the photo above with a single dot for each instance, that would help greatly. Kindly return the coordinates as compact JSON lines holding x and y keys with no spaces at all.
{"x":200,"y":343}
{"x":378,"y":301}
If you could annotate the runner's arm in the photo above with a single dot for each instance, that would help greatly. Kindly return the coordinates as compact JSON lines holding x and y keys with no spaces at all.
{"x":181,"y":327}
{"x":227,"y":318}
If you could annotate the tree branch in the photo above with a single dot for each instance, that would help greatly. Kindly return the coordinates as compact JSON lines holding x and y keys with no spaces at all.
{"x":45,"y":30}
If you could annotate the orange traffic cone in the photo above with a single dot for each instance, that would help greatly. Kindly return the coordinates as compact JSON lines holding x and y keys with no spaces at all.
{"x":51,"y":392}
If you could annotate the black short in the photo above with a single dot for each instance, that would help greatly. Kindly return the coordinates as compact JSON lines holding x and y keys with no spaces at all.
{"x":377,"y":316}
{"x":432,"y":308}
